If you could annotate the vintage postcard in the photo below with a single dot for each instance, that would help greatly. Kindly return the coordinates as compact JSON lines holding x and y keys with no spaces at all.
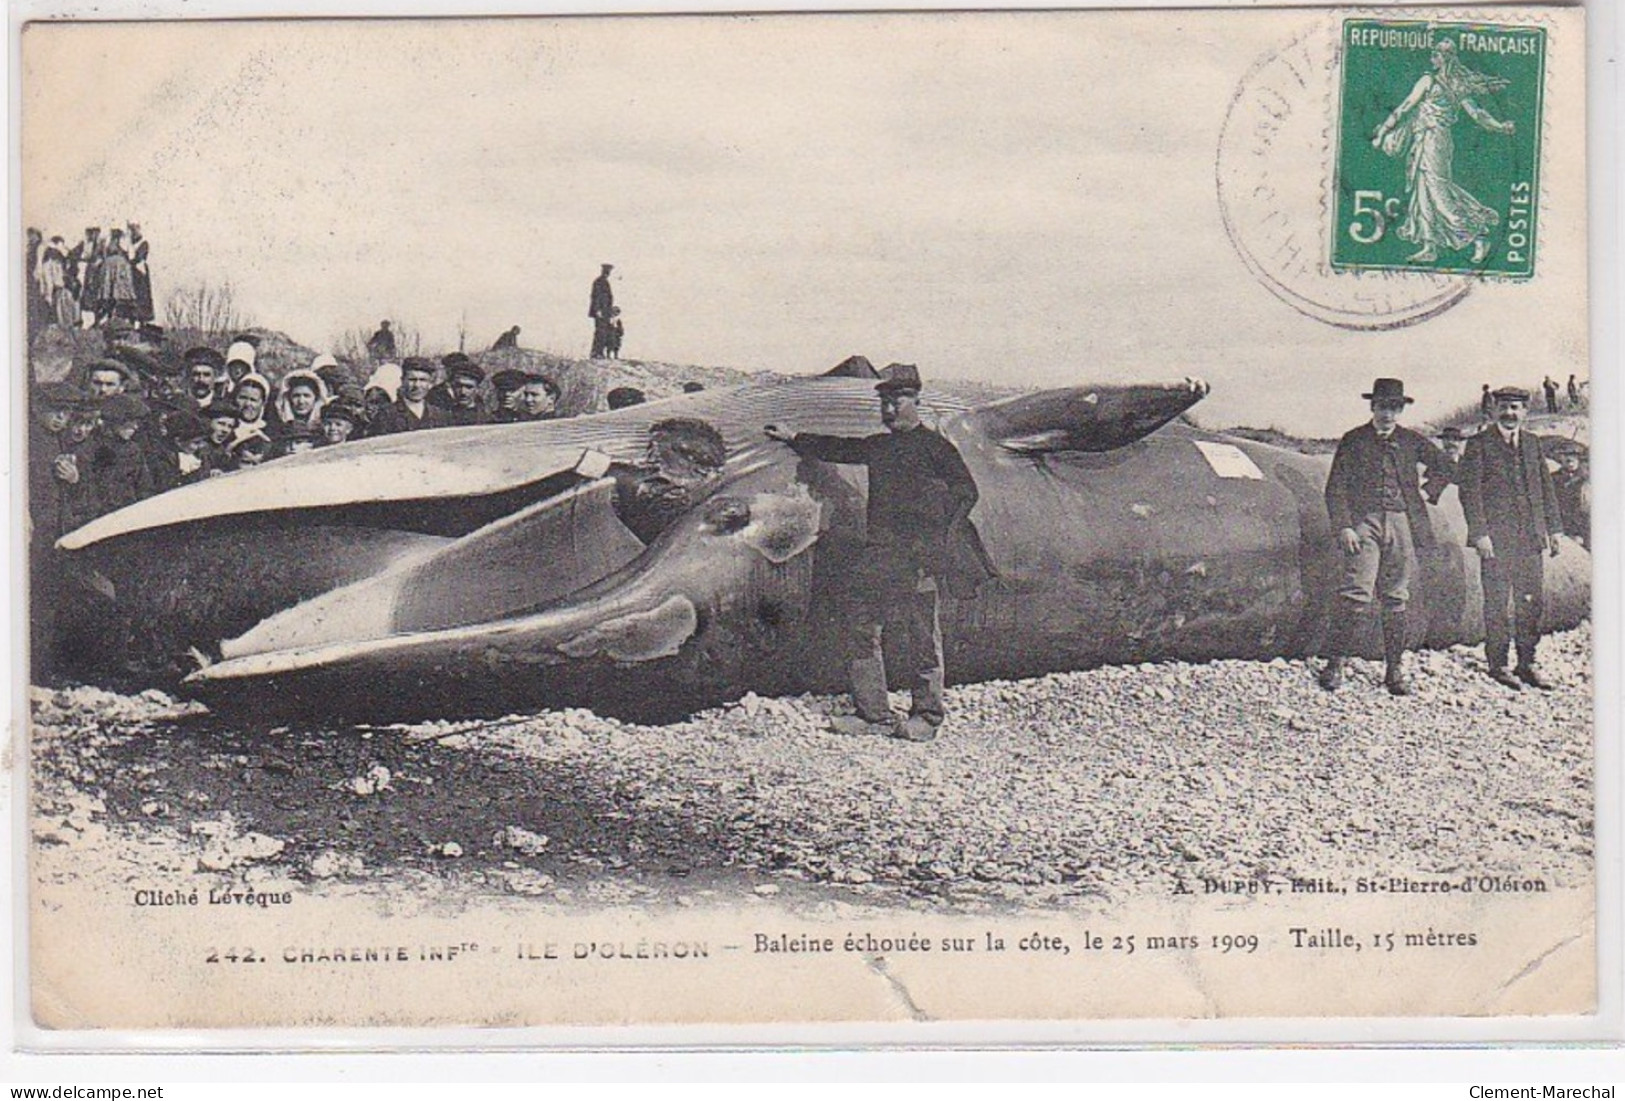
{"x":1033,"y":518}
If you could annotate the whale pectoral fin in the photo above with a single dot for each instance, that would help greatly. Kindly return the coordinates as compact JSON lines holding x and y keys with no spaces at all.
{"x":1084,"y":418}
{"x":639,"y":636}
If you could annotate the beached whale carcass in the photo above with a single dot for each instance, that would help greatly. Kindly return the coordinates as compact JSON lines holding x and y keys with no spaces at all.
{"x":480,"y":570}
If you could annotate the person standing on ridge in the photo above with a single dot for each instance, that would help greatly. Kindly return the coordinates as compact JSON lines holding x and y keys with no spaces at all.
{"x":381,"y":345}
{"x":601,"y":308}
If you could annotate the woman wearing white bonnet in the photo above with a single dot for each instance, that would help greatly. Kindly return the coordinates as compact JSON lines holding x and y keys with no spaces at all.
{"x":301,"y":396}
{"x":240,"y":363}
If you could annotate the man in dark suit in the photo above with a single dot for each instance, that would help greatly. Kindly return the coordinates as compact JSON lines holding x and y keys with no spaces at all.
{"x":1374,"y":499}
{"x":1512,"y":520}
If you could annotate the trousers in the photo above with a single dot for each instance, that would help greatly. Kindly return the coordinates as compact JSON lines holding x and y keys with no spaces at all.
{"x":895,"y":600}
{"x":1384,"y":565}
{"x":1514,"y":600}
{"x":601,"y":336}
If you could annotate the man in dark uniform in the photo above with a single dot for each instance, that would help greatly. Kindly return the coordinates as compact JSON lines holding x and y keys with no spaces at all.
{"x":920,"y":498}
{"x":1512,"y":520}
{"x":599,"y":308}
{"x":1374,"y":499}
{"x":462,"y":390}
{"x":411,"y":410}
{"x":505,"y":387}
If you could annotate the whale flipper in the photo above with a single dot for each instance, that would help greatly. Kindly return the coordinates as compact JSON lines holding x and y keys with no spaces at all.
{"x":1084,"y":418}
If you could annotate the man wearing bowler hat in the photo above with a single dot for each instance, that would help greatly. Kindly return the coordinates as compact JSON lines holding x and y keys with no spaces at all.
{"x":1374,"y":500}
{"x":1512,"y":520}
{"x":918,"y":533}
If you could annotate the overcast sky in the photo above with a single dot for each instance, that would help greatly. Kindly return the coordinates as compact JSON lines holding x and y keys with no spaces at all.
{"x":1027,"y":198}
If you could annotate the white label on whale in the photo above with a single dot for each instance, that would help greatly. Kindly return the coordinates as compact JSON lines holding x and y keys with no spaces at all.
{"x":1228,"y":460}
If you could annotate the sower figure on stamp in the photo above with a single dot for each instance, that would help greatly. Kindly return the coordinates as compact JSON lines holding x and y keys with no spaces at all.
{"x":1374,"y":499}
{"x":1512,"y":519}
{"x":1440,"y":213}
{"x":919,"y":534}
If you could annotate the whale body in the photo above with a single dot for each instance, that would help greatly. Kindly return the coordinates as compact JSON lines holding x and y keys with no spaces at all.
{"x":484,"y":570}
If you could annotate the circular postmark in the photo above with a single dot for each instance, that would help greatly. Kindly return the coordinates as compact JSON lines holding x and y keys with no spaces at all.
{"x":1274,"y":171}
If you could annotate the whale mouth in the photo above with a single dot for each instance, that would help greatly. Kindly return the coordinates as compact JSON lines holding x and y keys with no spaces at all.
{"x":734,"y":551}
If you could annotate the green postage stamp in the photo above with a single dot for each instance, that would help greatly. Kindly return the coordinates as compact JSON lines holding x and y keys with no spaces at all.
{"x":1438,"y":147}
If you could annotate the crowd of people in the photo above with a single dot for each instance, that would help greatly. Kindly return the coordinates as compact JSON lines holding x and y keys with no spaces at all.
{"x":103,"y":279}
{"x":126,"y":426}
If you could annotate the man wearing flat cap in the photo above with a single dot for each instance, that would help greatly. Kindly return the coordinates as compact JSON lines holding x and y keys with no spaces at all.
{"x":918,"y":534}
{"x":537,"y":399}
{"x":222,"y":421}
{"x":54,"y":406}
{"x":116,"y":461}
{"x":1453,"y":442}
{"x":107,"y":377}
{"x":1374,"y":500}
{"x":340,"y":420}
{"x":600,"y":307}
{"x":461,"y":391}
{"x":411,"y":411}
{"x":204,"y":367}
{"x":182,"y":462}
{"x":505,"y":386}
{"x":1512,"y":520}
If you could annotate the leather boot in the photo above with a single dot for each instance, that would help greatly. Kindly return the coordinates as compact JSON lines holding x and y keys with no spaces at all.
{"x":868,"y":680}
{"x":1393,"y":652}
{"x":1338,"y":628}
{"x":1331,"y":675}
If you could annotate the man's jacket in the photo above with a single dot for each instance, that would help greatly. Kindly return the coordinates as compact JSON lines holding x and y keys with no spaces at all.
{"x":920,"y":497}
{"x":1508,"y":493}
